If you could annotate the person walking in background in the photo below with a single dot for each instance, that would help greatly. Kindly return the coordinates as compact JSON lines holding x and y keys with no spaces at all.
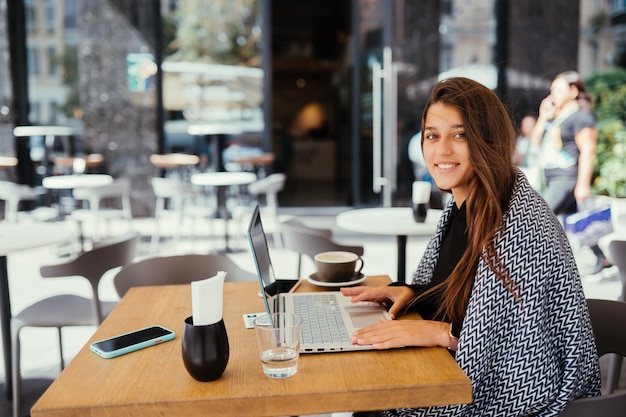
{"x":512,"y":312}
{"x":525,"y":156}
{"x":566,"y":132}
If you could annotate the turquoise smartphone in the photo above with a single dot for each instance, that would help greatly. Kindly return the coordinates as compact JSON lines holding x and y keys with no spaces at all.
{"x":132,"y":341}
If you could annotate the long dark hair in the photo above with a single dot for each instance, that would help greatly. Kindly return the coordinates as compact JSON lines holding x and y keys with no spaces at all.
{"x":491,"y":139}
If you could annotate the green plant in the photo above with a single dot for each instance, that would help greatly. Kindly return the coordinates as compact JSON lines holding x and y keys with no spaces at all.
{"x":608,"y":94}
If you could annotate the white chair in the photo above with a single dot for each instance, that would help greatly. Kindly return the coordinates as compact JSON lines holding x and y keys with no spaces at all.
{"x":104,"y":203}
{"x":13,"y":194}
{"x":177,"y":198}
{"x":268,"y":187}
{"x":69,"y":309}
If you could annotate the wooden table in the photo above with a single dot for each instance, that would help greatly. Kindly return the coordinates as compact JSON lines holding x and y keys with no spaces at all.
{"x":154,"y":381}
{"x":390,"y":221}
{"x":174,"y":160}
{"x":79,"y":164}
{"x":257,"y":163}
{"x":7,"y":161}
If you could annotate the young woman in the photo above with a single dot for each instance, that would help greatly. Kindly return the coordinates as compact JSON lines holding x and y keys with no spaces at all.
{"x":498,"y":284}
{"x":566,"y":132}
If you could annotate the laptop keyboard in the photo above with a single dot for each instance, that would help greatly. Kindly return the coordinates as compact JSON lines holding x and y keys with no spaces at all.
{"x":321,"y":319}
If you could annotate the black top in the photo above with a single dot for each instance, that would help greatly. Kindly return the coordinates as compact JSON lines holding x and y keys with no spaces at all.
{"x":452,"y":249}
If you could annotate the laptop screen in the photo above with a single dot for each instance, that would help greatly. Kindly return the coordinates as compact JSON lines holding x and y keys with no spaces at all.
{"x":261,"y":255}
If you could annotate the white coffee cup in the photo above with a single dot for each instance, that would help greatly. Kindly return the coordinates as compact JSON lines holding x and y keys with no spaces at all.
{"x":420,"y":194}
{"x":337,"y":266}
{"x":419,"y":200}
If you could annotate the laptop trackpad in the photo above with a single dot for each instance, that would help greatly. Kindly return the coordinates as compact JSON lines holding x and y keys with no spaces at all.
{"x":364,"y":316}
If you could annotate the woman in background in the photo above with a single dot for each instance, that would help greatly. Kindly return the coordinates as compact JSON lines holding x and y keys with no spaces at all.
{"x":566,"y":132}
{"x":498,"y":284}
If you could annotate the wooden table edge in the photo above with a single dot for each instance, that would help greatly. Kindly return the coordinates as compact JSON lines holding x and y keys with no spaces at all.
{"x":456,"y":392}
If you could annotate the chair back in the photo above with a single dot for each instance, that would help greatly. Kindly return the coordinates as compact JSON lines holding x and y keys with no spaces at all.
{"x":12,"y":194}
{"x":94,"y":263}
{"x":618,"y":256}
{"x":307,"y":241}
{"x":177,"y":269}
{"x":173,"y":190}
{"x":271,"y":184}
{"x":119,"y":189}
{"x":608,"y":319}
{"x":170,"y":187}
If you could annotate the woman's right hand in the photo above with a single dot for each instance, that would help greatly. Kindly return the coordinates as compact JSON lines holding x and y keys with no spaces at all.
{"x":547,"y":111}
{"x":399,"y":296}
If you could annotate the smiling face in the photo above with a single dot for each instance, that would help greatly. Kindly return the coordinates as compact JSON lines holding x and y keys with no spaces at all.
{"x":446,"y":150}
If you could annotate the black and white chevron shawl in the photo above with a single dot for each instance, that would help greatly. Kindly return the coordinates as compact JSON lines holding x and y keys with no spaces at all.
{"x":527,"y":359}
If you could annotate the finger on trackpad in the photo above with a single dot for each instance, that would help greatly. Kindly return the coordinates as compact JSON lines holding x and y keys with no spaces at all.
{"x":362,"y":317}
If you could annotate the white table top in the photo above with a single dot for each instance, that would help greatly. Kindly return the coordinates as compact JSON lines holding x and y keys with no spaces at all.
{"x":223,"y":178}
{"x":397,"y":221}
{"x":68,"y":182}
{"x":214,"y":129}
{"x":24,"y":131}
{"x":21,"y":236}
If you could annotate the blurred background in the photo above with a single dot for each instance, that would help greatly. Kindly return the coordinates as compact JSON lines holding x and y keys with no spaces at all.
{"x":301,"y":81}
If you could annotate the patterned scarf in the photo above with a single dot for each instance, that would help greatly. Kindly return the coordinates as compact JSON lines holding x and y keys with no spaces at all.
{"x":529,"y":359}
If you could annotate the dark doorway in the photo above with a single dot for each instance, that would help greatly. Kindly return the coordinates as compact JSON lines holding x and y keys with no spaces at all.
{"x":311,"y":100}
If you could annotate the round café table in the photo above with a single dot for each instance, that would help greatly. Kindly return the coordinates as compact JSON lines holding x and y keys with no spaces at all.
{"x":49,"y":133}
{"x":16,"y":237}
{"x":79,"y":163}
{"x":71,"y":181}
{"x":256,"y":163}
{"x":391,"y":221}
{"x":7,"y":161}
{"x":175,"y":164}
{"x":221,"y":180}
{"x":174,"y":160}
{"x":215,"y":133}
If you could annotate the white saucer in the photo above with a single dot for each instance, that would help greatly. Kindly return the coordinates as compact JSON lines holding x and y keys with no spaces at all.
{"x":356,"y":279}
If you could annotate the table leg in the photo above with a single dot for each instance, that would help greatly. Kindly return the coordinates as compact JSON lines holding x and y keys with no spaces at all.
{"x":218,"y":143}
{"x":402,"y":258}
{"x":5,"y":322}
{"x":222,"y":212}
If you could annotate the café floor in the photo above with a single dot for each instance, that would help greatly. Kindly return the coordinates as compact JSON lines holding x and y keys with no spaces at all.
{"x":40,"y":353}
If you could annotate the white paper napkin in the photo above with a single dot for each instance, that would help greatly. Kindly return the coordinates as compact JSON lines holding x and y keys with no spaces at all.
{"x":207,"y":298}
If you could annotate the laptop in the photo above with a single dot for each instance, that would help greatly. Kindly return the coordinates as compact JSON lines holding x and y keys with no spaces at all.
{"x":318,"y":334}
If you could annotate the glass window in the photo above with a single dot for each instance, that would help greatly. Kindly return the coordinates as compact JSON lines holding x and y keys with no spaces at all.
{"x":618,"y":5}
{"x":70,"y":18}
{"x":212,"y":72}
{"x":33,"y":61}
{"x":52,"y":61}
{"x":50,"y":9}
{"x":29,"y":10}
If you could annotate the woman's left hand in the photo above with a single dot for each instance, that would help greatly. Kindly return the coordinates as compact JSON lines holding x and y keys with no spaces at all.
{"x":400,"y":333}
